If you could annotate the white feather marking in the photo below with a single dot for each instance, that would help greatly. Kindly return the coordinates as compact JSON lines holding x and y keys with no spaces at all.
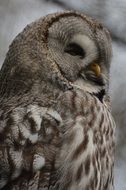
{"x":33,"y":138}
{"x":49,"y":130}
{"x":38,"y":120}
{"x":54,"y":114}
{"x":86,"y":86}
{"x":35,"y":113}
{"x":35,"y":108}
{"x":91,"y":146}
{"x":24,"y":131}
{"x":39,"y":162}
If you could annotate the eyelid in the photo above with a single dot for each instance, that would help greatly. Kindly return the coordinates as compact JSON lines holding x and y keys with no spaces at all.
{"x":88,"y":45}
{"x":75,"y":49}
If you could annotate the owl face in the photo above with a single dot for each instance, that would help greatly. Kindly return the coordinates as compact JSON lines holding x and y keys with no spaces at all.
{"x":81,"y":47}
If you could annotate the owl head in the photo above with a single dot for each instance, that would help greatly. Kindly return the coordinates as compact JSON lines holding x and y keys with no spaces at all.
{"x":65,"y":50}
{"x":81,"y":48}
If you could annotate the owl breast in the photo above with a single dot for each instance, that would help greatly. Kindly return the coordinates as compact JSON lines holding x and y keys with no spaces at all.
{"x":86,"y":157}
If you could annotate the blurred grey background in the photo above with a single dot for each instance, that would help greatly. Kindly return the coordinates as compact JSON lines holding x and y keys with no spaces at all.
{"x":16,"y":14}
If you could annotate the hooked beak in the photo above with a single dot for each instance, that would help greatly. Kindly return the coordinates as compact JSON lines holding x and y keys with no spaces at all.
{"x":95,"y":68}
{"x":93,"y":73}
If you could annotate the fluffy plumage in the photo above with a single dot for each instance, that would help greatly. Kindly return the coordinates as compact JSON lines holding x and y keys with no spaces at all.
{"x":56,"y":128}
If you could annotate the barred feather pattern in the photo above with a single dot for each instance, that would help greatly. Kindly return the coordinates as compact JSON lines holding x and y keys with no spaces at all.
{"x":68,"y":146}
{"x":86,"y":159}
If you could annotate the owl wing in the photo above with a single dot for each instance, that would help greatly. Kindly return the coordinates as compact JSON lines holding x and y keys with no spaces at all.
{"x":29,"y":139}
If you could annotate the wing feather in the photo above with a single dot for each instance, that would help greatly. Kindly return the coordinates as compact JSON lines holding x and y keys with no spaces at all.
{"x":30,"y":138}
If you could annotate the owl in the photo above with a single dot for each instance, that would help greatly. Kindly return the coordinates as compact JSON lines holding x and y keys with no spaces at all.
{"x":56,"y":127}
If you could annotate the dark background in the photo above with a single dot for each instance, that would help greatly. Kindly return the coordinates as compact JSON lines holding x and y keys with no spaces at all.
{"x":16,"y":14}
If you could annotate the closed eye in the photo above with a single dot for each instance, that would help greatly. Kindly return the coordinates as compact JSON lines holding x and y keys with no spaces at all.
{"x":75,"y":50}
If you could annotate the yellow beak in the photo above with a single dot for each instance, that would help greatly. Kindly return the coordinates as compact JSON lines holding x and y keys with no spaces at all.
{"x":95,"y":68}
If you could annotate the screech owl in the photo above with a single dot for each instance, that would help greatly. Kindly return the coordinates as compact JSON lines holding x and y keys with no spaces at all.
{"x":56,"y":127}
